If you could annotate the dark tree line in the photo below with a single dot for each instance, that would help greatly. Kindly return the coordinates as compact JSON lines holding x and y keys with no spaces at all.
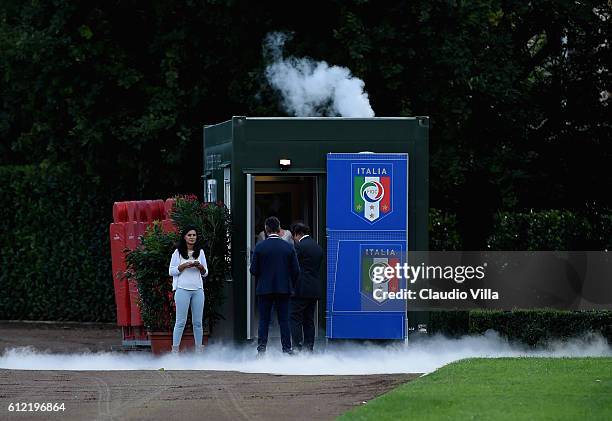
{"x":119,"y":90}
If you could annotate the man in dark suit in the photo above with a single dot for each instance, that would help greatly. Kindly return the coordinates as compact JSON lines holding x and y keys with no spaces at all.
{"x":307,"y":289}
{"x":276,"y":269}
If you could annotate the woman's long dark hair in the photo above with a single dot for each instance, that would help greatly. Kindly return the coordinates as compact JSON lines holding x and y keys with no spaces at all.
{"x":182,"y":244}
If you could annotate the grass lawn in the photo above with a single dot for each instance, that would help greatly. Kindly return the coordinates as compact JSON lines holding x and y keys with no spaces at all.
{"x":501,"y":389}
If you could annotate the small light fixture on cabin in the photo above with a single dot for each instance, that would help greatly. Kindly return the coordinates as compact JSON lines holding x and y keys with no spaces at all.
{"x":284,"y":164}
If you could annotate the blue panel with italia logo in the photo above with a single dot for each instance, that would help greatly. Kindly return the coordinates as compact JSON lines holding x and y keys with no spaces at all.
{"x":366,"y":229}
{"x":367,"y":191}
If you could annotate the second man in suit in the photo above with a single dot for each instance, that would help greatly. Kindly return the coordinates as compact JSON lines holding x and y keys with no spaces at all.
{"x":307,"y":289}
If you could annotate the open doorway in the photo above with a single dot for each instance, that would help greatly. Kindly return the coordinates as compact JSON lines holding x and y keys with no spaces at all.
{"x":291,"y":199}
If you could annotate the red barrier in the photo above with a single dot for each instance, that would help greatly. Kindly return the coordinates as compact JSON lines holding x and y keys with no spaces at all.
{"x":131,"y":211}
{"x":132,"y":231}
{"x":169,"y":205}
{"x":120,"y":212}
{"x":131,"y":235}
{"x":141,"y":228}
{"x":149,"y":210}
{"x":155,"y":211}
{"x":141,"y":211}
{"x":161,"y":206}
{"x":131,"y":219}
{"x":136,"y":319}
{"x":122,"y":296}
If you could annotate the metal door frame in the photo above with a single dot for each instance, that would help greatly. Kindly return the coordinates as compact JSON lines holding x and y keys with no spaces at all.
{"x":250,"y":210}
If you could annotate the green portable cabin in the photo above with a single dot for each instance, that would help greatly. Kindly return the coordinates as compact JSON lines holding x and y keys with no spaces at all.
{"x":277,"y":166}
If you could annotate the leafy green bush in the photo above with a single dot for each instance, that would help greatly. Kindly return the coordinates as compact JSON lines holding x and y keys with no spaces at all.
{"x":535,"y":327}
{"x":54,"y":247}
{"x":449,"y":323}
{"x":532,"y":327}
{"x":551,"y":230}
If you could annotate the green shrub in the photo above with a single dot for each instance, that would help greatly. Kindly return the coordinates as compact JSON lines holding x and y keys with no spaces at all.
{"x":54,"y":248}
{"x":551,"y":230}
{"x":531,"y":327}
{"x":535,"y":327}
{"x":452,"y":323}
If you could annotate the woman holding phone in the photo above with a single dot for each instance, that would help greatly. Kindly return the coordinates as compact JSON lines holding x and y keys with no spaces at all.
{"x":187,"y":268}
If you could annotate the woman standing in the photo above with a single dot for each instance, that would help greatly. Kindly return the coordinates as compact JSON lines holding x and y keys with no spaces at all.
{"x":187,"y":268}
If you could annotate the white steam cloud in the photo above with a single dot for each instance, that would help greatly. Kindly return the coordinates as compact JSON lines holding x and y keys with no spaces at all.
{"x":310,"y":88}
{"x":422,"y":356}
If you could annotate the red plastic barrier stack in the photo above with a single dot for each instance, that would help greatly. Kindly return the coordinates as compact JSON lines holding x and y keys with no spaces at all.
{"x":141,"y":227}
{"x":131,"y":211}
{"x":149,"y":211}
{"x":132,"y":232}
{"x":141,"y":211}
{"x":131,"y":218}
{"x":131,"y":235}
{"x":155,"y":213}
{"x":169,"y":204}
{"x":120,"y":213}
{"x":161,"y":209}
{"x":122,"y":296}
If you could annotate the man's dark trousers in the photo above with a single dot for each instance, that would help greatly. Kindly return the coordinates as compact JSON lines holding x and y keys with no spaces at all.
{"x":281,"y":302}
{"x":302,"y":317}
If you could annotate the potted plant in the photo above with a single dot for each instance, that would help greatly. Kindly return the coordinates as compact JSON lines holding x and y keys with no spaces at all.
{"x":148,"y":266}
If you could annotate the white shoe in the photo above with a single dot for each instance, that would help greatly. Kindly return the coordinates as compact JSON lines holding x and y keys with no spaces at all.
{"x":199,"y":349}
{"x":175,"y":349}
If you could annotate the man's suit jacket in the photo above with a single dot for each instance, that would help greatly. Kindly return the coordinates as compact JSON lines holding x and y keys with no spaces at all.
{"x":310,"y":256}
{"x":275,"y":266}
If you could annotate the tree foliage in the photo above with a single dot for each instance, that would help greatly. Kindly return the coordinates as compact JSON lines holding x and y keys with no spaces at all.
{"x":119,"y":90}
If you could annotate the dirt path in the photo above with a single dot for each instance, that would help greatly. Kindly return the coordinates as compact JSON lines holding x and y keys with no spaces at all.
{"x":184,"y":395}
{"x":169,"y":395}
{"x":59,"y":337}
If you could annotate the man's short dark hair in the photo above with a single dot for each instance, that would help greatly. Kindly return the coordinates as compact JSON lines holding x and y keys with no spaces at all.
{"x":300,"y":228}
{"x":272,"y":225}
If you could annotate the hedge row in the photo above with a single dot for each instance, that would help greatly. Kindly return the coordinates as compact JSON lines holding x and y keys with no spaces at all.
{"x":540,"y":230}
{"x":54,"y":247}
{"x":532,"y":327}
{"x":551,"y":230}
